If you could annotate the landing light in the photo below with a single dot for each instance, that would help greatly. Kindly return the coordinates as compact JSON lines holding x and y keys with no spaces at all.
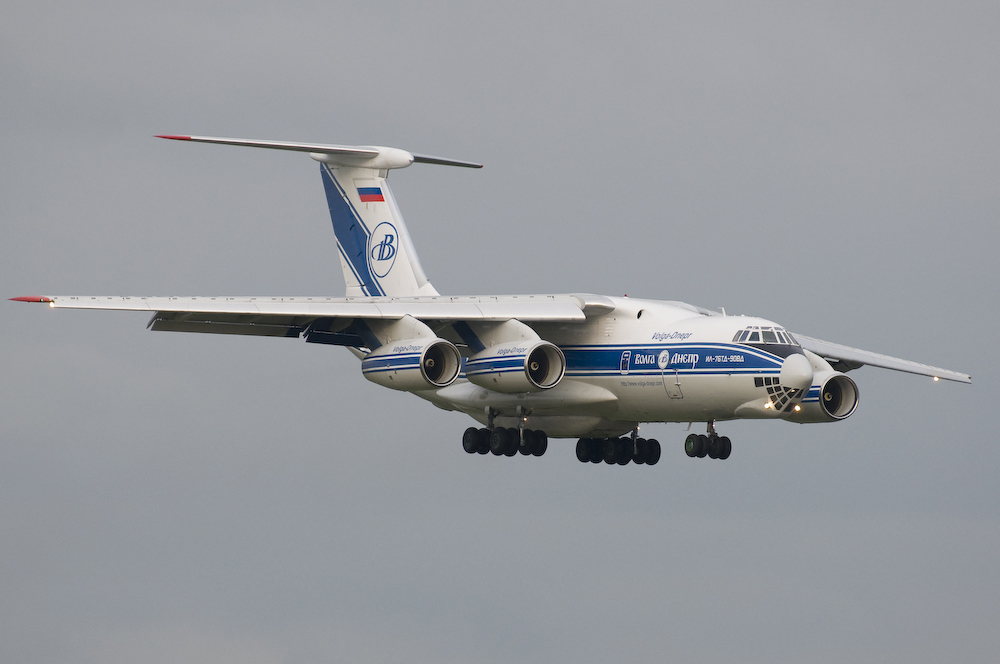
{"x":767,"y":405}
{"x":936,"y":379}
{"x":798,"y":408}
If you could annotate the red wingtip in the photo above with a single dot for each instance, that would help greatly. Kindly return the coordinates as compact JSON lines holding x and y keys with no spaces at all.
{"x":174,"y":138}
{"x":31,"y":298}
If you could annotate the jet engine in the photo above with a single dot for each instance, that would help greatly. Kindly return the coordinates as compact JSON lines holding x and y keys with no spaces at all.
{"x":517,"y":366}
{"x":838,"y":399}
{"x":413,"y":364}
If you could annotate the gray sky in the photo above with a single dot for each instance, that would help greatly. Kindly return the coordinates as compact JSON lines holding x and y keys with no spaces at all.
{"x":192,"y":498}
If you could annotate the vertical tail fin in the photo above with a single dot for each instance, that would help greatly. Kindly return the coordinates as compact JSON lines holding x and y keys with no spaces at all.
{"x":376,"y":253}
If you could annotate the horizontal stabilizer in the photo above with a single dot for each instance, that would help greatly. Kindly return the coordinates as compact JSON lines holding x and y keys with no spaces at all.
{"x":363,"y":156}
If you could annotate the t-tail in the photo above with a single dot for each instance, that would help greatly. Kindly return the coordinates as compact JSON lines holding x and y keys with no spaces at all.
{"x":376,"y":253}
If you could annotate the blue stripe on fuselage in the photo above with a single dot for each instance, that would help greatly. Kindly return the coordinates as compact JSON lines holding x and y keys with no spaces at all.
{"x":690,"y":358}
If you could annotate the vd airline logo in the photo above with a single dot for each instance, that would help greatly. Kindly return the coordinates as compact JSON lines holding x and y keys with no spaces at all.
{"x":382,"y":247}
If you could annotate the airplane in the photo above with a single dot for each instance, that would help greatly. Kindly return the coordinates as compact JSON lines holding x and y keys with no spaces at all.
{"x":525,"y":367}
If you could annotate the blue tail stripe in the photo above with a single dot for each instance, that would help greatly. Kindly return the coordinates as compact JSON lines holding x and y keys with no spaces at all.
{"x":351,"y":232}
{"x":354,"y":271}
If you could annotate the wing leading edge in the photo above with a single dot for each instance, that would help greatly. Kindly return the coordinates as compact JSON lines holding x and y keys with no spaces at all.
{"x":329,"y":319}
{"x":845,"y":358}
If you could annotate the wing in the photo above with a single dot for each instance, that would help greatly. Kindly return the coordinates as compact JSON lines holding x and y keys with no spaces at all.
{"x":845,"y":358}
{"x":328,"y":319}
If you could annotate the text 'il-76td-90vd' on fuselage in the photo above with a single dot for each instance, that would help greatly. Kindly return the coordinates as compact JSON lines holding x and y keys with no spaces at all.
{"x":526,"y":367}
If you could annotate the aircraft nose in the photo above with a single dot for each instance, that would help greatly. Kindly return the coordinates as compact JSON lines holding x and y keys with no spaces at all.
{"x":796,"y":372}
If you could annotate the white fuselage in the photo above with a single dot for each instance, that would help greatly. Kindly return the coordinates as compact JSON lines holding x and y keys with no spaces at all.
{"x":646,"y":361}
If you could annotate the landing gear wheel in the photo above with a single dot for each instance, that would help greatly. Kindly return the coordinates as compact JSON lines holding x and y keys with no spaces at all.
{"x":725,"y":448}
{"x":653,"y":454}
{"x":610,"y":450}
{"x":641,"y":451}
{"x":513,"y":439}
{"x":583,"y":450}
{"x":702,"y":446}
{"x":483,"y":438}
{"x":691,"y":445}
{"x":526,"y":442}
{"x":541,"y":441}
{"x":624,"y":451}
{"x":470,"y":440}
{"x":498,"y":441}
{"x":713,"y":448}
{"x":596,"y":450}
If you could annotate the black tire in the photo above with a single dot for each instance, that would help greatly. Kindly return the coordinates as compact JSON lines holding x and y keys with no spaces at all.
{"x":641,"y":451}
{"x":596,"y":450}
{"x":726,"y":447}
{"x":541,"y":443}
{"x":583,"y":450}
{"x":691,"y":445}
{"x":470,"y":440}
{"x":526,"y":442}
{"x":513,"y":439}
{"x":653,"y":455}
{"x":702,"y":446}
{"x":713,"y":447}
{"x":498,"y":441}
{"x":624,"y":451}
{"x":610,"y":450}
{"x":484,"y":441}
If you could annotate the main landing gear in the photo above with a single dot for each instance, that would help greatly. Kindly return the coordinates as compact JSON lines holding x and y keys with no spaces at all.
{"x":502,"y":441}
{"x":505,"y":442}
{"x":713,"y":445}
{"x":618,"y":450}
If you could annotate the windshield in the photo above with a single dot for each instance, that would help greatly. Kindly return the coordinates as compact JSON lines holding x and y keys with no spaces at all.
{"x":771,"y":336}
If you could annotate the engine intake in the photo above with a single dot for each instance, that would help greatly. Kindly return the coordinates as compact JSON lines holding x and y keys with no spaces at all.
{"x":517,"y":366}
{"x":838,"y":399}
{"x":413,"y":364}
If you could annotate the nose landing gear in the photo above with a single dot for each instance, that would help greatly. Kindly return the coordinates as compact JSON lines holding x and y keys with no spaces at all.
{"x":712,"y":445}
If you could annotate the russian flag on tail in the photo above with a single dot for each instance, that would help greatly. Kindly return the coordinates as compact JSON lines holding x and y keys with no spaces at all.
{"x":371,"y":194}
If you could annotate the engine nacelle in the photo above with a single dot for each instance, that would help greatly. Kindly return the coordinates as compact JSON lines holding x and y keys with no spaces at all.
{"x":413,"y":364}
{"x":838,"y":399}
{"x":517,"y":366}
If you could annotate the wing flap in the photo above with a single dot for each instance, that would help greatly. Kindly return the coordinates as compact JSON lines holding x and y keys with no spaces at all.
{"x":228,"y":323}
{"x":852,"y":358}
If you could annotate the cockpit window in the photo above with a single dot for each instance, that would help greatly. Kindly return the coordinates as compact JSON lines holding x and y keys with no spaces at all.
{"x":765,"y":335}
